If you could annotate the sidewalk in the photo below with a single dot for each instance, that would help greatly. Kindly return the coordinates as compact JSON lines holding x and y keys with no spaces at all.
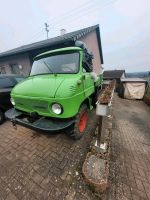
{"x":130,"y":159}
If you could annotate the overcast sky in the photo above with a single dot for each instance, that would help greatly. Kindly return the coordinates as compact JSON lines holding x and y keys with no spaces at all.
{"x":124,"y":26}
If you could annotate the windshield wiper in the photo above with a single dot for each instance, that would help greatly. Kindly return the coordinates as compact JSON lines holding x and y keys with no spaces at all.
{"x":48,"y":67}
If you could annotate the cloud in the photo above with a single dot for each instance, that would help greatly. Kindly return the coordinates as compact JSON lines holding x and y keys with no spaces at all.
{"x":132,"y":8}
{"x":125,"y":25}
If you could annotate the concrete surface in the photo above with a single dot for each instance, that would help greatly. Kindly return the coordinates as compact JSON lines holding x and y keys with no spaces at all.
{"x":130,"y":160}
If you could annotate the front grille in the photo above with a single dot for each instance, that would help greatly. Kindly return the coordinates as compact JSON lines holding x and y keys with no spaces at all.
{"x":32,"y":105}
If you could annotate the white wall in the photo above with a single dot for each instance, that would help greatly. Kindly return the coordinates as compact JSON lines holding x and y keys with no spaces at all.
{"x":92,"y":44}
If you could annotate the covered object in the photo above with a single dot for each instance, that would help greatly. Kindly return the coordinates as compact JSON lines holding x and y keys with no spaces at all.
{"x":133,"y":88}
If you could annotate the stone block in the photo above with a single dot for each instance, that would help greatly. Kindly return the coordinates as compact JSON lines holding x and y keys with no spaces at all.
{"x":95,"y":171}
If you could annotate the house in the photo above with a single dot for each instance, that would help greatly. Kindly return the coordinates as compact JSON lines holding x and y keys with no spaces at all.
{"x":114,"y":74}
{"x":19,"y":60}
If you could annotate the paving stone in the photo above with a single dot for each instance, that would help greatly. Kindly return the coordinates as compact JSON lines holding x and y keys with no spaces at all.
{"x":32,"y":164}
{"x":128,"y":153}
{"x":11,"y":196}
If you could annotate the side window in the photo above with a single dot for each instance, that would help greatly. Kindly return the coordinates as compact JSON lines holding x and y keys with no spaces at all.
{"x":15,"y":69}
{"x":87,"y":67}
{"x":84,"y":69}
{"x":6,"y":83}
{"x":2,"y":70}
{"x":87,"y":62}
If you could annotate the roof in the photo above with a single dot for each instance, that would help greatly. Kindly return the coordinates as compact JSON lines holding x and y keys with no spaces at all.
{"x":106,"y":82}
{"x":72,"y":36}
{"x":133,"y":80}
{"x":113,"y":73}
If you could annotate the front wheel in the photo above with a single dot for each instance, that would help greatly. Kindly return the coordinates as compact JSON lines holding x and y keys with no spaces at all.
{"x":1,"y":117}
{"x":81,"y":122}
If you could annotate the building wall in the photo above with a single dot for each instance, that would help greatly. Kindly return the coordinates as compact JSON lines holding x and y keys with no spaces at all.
{"x":92,"y":44}
{"x":22,"y":60}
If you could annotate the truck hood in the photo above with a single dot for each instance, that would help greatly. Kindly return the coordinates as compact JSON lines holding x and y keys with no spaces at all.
{"x":39,"y":86}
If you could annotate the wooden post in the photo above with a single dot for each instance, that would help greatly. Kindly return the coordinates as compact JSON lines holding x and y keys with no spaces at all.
{"x":100,"y":120}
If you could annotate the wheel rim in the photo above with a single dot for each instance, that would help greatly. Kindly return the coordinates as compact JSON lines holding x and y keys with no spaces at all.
{"x":83,"y":122}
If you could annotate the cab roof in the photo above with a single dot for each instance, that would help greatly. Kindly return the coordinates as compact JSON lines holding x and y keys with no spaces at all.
{"x":58,"y":50}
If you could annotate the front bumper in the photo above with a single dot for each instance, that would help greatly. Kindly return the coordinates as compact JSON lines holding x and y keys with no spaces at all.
{"x":42,"y":124}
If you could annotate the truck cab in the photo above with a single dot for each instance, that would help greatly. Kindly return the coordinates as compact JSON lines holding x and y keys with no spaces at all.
{"x":58,"y":93}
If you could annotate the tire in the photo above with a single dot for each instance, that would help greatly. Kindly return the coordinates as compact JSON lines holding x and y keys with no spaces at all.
{"x":1,"y":117}
{"x":80,"y":126}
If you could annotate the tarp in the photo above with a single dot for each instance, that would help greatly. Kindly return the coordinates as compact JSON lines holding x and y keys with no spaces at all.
{"x":134,"y":90}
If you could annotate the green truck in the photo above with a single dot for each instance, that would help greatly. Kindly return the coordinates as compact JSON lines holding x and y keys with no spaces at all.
{"x":58,"y":93}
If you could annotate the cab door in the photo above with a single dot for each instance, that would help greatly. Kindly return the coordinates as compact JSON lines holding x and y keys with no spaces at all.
{"x":88,"y":83}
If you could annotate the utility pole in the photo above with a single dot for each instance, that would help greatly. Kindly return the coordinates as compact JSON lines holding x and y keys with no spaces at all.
{"x":47,"y":30}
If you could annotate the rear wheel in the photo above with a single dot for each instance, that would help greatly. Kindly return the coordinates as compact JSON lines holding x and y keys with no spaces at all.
{"x":1,"y":117}
{"x":81,"y":122}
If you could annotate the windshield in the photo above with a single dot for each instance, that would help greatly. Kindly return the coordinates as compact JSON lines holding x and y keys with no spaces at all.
{"x":56,"y":64}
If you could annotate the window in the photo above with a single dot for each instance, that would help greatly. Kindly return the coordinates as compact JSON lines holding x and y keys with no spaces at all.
{"x":87,"y":62}
{"x":65,"y":63}
{"x":87,"y":67}
{"x":2,"y":70}
{"x":15,"y":69}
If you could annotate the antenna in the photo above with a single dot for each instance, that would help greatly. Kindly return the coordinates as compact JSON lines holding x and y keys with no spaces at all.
{"x":47,"y":30}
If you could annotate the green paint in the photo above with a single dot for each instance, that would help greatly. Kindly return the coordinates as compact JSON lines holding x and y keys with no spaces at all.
{"x":38,"y":93}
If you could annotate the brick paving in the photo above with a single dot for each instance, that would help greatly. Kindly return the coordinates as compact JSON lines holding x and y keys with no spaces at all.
{"x":130,"y":159}
{"x":37,"y":166}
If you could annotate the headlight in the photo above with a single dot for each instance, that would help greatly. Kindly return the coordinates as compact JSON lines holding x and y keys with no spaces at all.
{"x":57,"y":108}
{"x":12,"y":101}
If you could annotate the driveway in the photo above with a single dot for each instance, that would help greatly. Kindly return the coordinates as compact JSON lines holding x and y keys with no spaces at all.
{"x":37,"y":166}
{"x":130,"y":160}
{"x":42,"y":166}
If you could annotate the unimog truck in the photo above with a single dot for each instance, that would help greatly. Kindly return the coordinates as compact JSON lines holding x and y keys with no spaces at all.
{"x":60,"y":90}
